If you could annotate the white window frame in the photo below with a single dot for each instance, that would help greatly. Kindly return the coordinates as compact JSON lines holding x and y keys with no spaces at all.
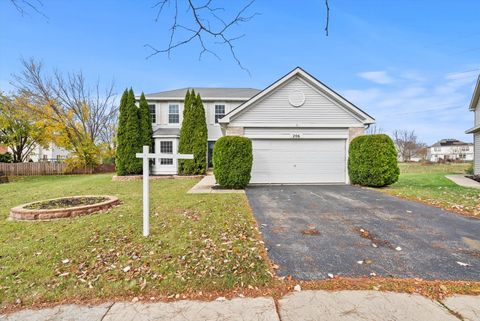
{"x":215,"y":114}
{"x":173,"y":114}
{"x":166,"y":150}
{"x":154,"y":117}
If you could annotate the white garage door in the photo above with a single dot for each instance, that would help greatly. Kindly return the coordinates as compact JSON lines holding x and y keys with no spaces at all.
{"x":292,"y":161}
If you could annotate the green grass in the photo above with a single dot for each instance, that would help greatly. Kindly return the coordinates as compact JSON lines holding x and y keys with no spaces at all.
{"x":427,"y":183}
{"x":197,"y":243}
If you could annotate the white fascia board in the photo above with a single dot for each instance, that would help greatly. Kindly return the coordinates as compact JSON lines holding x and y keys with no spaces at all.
{"x":203,"y":99}
{"x":473,"y":130}
{"x":165,"y":136}
{"x":475,"y":96}
{"x":283,"y":125}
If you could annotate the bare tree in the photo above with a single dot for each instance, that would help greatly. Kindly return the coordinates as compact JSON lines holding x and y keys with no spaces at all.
{"x":78,"y":113}
{"x":407,"y":144}
{"x":374,"y":129}
{"x":203,"y":22}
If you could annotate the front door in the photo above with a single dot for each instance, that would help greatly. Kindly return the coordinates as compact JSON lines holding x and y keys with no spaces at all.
{"x":166,"y":165}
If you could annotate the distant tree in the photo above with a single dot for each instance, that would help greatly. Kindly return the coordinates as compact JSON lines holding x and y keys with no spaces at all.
{"x":193,"y":136}
{"x":407,"y":144}
{"x":374,"y":129}
{"x":6,"y":158}
{"x":75,"y":112}
{"x":20,"y":129}
{"x":146,"y":130}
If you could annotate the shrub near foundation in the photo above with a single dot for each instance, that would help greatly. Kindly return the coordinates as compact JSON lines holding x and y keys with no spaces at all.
{"x":232,"y":161}
{"x":373,"y":161}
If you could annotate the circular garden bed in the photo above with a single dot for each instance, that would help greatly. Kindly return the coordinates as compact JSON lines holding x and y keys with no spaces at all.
{"x":63,"y":207}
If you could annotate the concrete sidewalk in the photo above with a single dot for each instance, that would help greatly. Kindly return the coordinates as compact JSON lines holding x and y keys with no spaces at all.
{"x":463,"y":181}
{"x":302,"y":305}
{"x":207,"y":184}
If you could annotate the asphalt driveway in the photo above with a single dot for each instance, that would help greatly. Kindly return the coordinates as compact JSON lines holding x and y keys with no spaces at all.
{"x":311,"y":231}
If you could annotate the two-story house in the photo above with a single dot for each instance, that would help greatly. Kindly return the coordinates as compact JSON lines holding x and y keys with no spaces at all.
{"x":166,"y":110}
{"x":300,"y":128}
{"x":475,"y":130}
{"x":450,"y":150}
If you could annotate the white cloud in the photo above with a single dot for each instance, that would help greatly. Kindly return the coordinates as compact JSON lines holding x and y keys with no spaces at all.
{"x":435,"y":109}
{"x":379,"y":77}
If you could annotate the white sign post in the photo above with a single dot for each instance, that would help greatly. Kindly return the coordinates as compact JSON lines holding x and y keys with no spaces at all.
{"x":146,"y":173}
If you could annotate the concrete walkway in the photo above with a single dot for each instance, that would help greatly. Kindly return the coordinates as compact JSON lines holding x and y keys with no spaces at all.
{"x":302,"y":305}
{"x":206,"y":185}
{"x":463,"y":181}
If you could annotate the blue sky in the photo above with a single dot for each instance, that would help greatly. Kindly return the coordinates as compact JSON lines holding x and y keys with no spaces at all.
{"x":411,"y":64}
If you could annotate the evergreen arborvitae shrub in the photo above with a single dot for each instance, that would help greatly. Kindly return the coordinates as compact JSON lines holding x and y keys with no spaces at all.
{"x":193,"y":136}
{"x":232,"y":161}
{"x":145,"y":119}
{"x":131,"y":138}
{"x":372,"y":161}
{"x":120,"y":165}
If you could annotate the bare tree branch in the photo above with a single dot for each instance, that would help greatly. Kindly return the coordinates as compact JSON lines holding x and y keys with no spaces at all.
{"x":327,"y":18}
{"x":205,"y":22}
{"x":23,"y":6}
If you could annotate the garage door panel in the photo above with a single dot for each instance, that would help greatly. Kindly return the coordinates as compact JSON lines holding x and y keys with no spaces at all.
{"x":298,"y":161}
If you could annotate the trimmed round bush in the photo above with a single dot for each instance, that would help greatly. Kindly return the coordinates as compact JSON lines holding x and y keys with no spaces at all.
{"x":232,"y":161}
{"x":372,"y":161}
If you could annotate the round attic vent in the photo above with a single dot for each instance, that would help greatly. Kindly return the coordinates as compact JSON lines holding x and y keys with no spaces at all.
{"x":296,"y":98}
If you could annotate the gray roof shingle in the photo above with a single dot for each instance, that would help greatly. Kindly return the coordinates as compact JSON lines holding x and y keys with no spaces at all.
{"x":166,"y":132}
{"x":206,"y":93}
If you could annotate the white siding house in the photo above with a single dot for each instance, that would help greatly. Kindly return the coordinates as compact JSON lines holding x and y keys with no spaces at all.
{"x":450,"y":150}
{"x":51,"y":153}
{"x":475,"y":130}
{"x":300,"y":128}
{"x":166,"y":109}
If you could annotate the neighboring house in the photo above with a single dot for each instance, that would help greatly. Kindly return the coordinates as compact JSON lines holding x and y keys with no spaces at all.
{"x":52,"y":153}
{"x":450,"y":150}
{"x":300,"y":128}
{"x":475,"y":130}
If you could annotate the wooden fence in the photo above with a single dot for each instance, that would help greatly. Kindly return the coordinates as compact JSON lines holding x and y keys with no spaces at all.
{"x":46,"y":168}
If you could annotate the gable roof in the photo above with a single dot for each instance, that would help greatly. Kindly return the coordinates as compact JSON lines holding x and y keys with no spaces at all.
{"x":207,"y":93}
{"x":476,"y":95}
{"x":330,"y":93}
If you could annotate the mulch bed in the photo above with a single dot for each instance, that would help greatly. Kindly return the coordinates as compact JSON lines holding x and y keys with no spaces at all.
{"x":65,"y":203}
{"x":474,"y":177}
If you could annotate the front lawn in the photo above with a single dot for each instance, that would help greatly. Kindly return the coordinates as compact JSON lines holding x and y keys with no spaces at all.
{"x":197,"y":243}
{"x":427,"y":183}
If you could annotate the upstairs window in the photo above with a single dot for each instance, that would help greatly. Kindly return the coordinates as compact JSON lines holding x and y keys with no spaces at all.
{"x":219,"y":112}
{"x":173,"y":114}
{"x":436,"y":149}
{"x":153,"y":114}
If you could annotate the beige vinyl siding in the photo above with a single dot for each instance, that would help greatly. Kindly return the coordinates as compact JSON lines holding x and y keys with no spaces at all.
{"x":476,"y":142}
{"x":276,"y":109}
